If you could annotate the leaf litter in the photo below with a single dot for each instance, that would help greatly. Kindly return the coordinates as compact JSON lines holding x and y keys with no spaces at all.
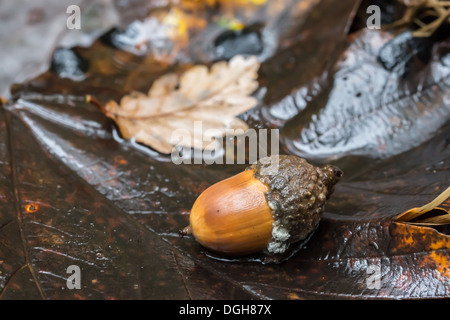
{"x":418,"y":216}
{"x":124,"y":201}
{"x":215,"y":97}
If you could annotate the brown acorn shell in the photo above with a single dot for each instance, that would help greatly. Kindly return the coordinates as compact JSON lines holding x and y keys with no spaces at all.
{"x":232,"y":216}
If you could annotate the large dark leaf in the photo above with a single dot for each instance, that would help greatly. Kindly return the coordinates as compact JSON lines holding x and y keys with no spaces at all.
{"x":386,"y":96}
{"x":72,"y":192}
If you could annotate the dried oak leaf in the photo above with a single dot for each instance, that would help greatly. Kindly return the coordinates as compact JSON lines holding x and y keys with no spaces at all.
{"x":215,"y":97}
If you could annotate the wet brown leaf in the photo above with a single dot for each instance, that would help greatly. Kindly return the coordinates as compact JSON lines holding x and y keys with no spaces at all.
{"x":388,"y":94}
{"x":174,"y":104}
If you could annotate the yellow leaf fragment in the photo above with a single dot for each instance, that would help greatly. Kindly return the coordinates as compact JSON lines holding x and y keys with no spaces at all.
{"x":419,"y":216}
{"x":235,"y":2}
{"x":179,"y":23}
{"x":178,"y":106}
{"x":428,"y":15}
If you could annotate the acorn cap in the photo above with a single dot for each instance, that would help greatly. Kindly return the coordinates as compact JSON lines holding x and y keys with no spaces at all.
{"x":297,"y":195}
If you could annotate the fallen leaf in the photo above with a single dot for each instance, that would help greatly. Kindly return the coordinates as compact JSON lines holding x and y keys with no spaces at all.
{"x":49,"y":221}
{"x":421,"y":13}
{"x":72,"y":193}
{"x":214,"y":97}
{"x":397,"y":108}
{"x":422,"y":216}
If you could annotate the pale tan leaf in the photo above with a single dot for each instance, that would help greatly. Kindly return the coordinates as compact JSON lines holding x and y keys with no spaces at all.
{"x":200,"y":97}
{"x":418,"y":216}
{"x":164,"y":85}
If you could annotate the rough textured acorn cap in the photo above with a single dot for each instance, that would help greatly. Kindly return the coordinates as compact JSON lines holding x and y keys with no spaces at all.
{"x":297,"y":195}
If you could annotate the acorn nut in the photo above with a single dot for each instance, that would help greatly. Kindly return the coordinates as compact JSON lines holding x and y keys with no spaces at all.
{"x":254,"y":211}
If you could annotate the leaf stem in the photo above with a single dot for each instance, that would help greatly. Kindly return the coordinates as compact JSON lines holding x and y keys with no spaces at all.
{"x":185,"y":231}
{"x":92,"y":100}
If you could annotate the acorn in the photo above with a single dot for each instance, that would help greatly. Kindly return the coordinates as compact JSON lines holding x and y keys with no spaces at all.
{"x":262,"y":210}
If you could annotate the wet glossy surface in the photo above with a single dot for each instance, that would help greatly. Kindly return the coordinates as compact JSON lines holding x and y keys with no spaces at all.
{"x":72,"y":191}
{"x":371,"y":110}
